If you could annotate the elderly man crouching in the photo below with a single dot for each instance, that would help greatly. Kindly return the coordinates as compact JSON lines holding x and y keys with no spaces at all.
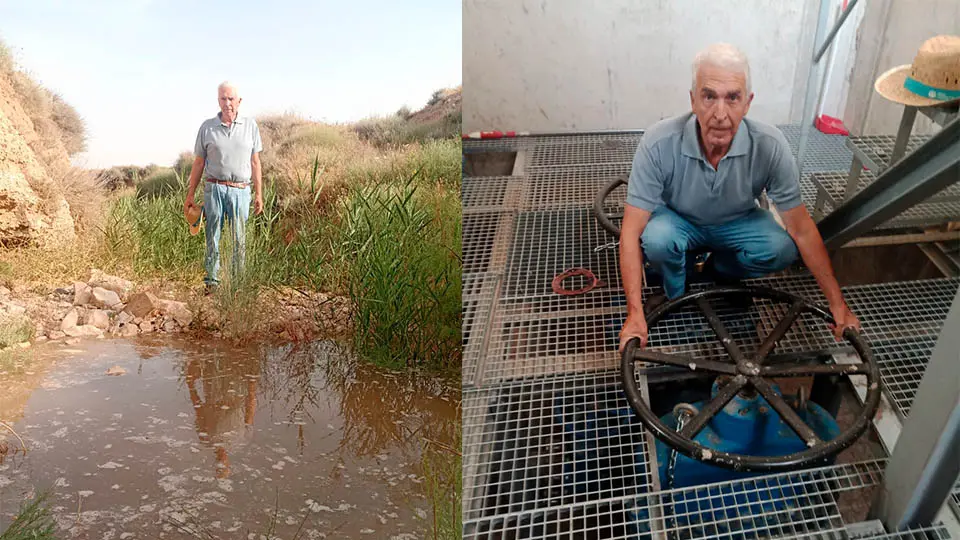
{"x":227,"y":156}
{"x":694,"y":185}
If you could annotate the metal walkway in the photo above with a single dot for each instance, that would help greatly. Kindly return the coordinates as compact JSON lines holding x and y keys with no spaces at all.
{"x":536,"y":364}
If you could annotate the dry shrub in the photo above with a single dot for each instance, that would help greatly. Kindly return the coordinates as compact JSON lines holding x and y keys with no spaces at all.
{"x":124,"y":176}
{"x":86,"y":198}
{"x":293,"y":148}
{"x":72,"y":127}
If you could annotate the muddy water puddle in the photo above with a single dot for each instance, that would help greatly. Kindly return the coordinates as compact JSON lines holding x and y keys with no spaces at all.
{"x":205,"y":440}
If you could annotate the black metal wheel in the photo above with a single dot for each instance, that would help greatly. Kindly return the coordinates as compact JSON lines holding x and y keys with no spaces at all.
{"x":606,"y":220}
{"x":745,"y":374}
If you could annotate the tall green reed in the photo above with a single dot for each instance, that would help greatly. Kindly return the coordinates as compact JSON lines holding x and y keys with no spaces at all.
{"x":403,"y":280}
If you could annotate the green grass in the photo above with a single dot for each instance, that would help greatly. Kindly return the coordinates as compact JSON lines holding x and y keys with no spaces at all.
{"x":443,"y":484}
{"x":400,"y":250}
{"x":15,"y":329}
{"x":33,"y":522}
{"x":388,"y":237}
{"x":396,"y":130}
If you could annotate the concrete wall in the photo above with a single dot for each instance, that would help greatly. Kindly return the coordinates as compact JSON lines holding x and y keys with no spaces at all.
{"x":891,"y":33}
{"x":575,"y":65}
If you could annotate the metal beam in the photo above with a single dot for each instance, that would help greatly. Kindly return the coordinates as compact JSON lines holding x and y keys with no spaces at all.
{"x":833,"y":31}
{"x":924,"y":467}
{"x":919,"y":175}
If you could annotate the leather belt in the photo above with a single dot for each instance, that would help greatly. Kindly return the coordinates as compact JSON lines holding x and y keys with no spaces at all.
{"x":228,"y":184}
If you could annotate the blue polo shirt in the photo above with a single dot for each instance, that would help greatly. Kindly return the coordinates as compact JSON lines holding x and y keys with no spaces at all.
{"x":670,"y":169}
{"x":227,"y":150}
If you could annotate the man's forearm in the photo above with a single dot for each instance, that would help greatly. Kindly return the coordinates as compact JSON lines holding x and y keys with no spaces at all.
{"x":196,"y":171}
{"x":257,"y":181}
{"x":194,"y":182}
{"x":814,"y":255}
{"x":631,"y":268}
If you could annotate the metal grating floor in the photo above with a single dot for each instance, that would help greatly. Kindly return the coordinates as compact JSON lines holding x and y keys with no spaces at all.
{"x":823,"y":153}
{"x":874,"y":151}
{"x":938,"y":532}
{"x":490,"y":193}
{"x":791,"y":505}
{"x":583,"y":150}
{"x":574,"y":187}
{"x":541,"y":370}
{"x":942,"y":208}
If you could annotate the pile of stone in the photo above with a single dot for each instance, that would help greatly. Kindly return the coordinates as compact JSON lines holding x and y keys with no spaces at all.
{"x":107,"y":305}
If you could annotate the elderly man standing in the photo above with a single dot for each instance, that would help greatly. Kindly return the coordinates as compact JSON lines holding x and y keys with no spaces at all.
{"x":227,"y":157}
{"x":694,"y":185}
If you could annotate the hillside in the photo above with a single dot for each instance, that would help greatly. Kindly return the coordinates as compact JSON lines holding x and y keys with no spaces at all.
{"x":38,"y":134}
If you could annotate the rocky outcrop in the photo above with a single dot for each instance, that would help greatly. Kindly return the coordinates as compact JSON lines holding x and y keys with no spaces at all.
{"x":32,"y":210}
{"x":103,"y":305}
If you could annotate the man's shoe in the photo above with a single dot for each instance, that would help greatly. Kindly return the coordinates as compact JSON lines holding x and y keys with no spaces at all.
{"x":210,"y":289}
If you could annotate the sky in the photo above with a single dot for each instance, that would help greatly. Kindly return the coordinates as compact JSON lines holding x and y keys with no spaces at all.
{"x":144,"y":73}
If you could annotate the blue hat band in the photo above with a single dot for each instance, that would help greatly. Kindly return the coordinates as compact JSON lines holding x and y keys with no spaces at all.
{"x":925,"y":90}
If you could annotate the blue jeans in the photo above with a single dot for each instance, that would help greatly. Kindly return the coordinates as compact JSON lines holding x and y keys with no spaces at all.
{"x":751,"y":246}
{"x":221,"y":205}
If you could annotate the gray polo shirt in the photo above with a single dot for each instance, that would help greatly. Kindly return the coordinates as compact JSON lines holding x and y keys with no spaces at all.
{"x":227,"y":150}
{"x":669,"y":169}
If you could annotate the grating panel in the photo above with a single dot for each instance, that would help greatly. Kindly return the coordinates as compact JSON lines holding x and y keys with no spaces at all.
{"x":479,"y":292}
{"x":791,"y":505}
{"x":937,"y":532}
{"x":902,"y":364}
{"x":574,"y":186}
{"x":836,"y":188}
{"x":874,"y":151}
{"x":482,"y":192}
{"x":507,"y":144}
{"x":485,"y":239}
{"x":578,"y":150}
{"x":808,"y":191}
{"x":577,"y":334}
{"x":551,"y":443}
{"x":893,"y":311}
{"x":924,"y":214}
{"x":550,"y":242}
{"x":823,"y":152}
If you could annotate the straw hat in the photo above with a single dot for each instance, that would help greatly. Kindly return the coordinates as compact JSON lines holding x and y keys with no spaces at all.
{"x":193,"y":215}
{"x":932,"y":79}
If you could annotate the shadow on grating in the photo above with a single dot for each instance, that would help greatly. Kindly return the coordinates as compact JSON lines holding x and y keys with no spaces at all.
{"x":575,"y":186}
{"x":614,"y":520}
{"x":548,"y":243}
{"x":479,"y":232}
{"x":483,"y":192}
{"x":561,"y":443}
{"x":580,"y":150}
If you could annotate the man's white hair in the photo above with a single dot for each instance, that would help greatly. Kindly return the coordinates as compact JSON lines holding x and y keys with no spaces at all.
{"x":724,"y":56}
{"x":227,"y":84}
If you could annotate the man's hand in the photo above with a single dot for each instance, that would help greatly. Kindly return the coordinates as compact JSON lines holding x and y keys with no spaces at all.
{"x":844,"y":319}
{"x":635,"y":326}
{"x":258,"y":205}
{"x":188,"y":203}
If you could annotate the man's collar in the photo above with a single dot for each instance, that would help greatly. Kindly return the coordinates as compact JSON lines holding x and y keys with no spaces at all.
{"x":690,"y":142}
{"x":237,"y":120}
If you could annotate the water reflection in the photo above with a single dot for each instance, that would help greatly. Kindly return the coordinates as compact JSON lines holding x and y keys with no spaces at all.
{"x":187,"y":414}
{"x":226,"y":408}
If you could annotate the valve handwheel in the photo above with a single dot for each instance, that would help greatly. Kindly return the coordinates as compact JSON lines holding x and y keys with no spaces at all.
{"x":747,"y":373}
{"x":606,"y":220}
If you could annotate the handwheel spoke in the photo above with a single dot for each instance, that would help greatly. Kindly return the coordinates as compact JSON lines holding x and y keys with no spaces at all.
{"x":696,"y":424}
{"x":778,"y":332}
{"x":686,"y":362}
{"x":786,"y":412}
{"x":725,"y":338}
{"x":821,"y":369}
